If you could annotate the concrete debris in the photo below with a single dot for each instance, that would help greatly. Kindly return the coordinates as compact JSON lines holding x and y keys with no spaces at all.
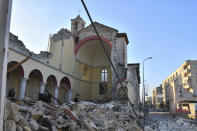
{"x":34,"y":125}
{"x":12,"y":111}
{"x":18,"y":128}
{"x":36,"y":114}
{"x":24,"y":124}
{"x":31,"y":115}
{"x":10,"y":125}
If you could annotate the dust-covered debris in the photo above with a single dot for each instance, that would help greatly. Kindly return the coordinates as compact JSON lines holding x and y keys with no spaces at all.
{"x":33,"y":115}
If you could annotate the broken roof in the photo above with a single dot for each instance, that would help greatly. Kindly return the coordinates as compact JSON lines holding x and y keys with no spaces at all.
{"x":97,"y":23}
{"x":61,"y":34}
{"x":119,"y":35}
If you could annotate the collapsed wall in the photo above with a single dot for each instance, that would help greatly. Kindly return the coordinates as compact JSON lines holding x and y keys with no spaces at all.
{"x":32,"y":115}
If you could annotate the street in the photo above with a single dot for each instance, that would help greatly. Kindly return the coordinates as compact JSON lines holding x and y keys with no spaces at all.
{"x":162,"y":117}
{"x":165,"y":116}
{"x":167,"y":122}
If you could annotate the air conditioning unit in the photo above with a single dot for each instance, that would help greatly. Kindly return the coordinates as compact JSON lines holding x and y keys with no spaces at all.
{"x":180,"y":94}
{"x":194,"y":94}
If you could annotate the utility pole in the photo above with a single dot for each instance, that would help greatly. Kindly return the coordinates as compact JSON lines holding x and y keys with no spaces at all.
{"x":5,"y":16}
{"x":144,"y":85}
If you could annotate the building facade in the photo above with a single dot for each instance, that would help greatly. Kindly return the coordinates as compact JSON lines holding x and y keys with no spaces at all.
{"x":157,"y":97}
{"x":75,"y":64}
{"x":148,"y":100}
{"x":181,"y":88}
{"x":133,"y":82}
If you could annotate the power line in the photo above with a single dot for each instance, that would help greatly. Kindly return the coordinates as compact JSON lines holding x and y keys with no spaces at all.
{"x":108,"y":57}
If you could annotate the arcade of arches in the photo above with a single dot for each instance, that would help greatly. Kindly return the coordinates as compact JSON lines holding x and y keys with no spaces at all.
{"x":34,"y":84}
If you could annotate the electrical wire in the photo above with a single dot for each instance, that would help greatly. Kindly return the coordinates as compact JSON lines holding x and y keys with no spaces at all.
{"x":108,"y":57}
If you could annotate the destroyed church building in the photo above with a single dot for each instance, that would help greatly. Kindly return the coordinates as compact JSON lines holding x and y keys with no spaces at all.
{"x":75,"y":64}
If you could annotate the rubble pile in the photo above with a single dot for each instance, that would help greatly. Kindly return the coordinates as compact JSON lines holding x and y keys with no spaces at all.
{"x":33,"y":115}
{"x":178,"y":125}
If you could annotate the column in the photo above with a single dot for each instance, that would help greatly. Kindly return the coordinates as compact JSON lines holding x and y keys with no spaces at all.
{"x":23,"y":85}
{"x":56,"y":94}
{"x":42,"y":87}
{"x":5,"y":15}
{"x":68,"y":96}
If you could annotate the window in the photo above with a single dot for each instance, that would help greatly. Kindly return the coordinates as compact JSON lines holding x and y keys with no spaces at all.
{"x":76,"y":39}
{"x":76,"y":25}
{"x":104,"y":75}
{"x":103,"y":88}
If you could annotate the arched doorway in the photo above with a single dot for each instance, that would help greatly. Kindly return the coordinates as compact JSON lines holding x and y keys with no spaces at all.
{"x":33,"y":85}
{"x":13,"y":78}
{"x":64,"y":94}
{"x":51,"y":86}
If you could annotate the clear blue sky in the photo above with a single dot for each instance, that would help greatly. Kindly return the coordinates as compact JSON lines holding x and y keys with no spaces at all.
{"x":163,"y":29}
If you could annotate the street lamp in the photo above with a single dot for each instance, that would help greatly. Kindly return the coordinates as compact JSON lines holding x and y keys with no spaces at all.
{"x":143,"y":83}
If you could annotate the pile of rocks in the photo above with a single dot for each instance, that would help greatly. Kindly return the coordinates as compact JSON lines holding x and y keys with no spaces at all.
{"x":32,"y":115}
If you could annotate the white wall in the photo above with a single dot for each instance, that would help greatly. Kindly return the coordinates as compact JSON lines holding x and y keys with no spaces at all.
{"x":5,"y":15}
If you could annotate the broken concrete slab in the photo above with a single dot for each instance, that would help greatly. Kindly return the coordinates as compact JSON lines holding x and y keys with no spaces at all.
{"x":24,"y":124}
{"x":12,"y":111}
{"x":10,"y":125}
{"x":38,"y":115}
{"x":34,"y":125}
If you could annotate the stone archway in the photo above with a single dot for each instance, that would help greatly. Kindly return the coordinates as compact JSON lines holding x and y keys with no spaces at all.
{"x":51,"y":86}
{"x":33,"y":85}
{"x":90,"y":60}
{"x":14,"y":78}
{"x":65,"y":94}
{"x":84,"y":41}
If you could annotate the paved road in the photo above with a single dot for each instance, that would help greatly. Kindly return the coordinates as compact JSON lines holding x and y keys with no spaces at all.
{"x":165,"y":116}
{"x":162,"y":116}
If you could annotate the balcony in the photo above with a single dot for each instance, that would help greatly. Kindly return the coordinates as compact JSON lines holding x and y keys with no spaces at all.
{"x":187,"y":85}
{"x":186,"y":64}
{"x":188,"y":78}
{"x":186,"y":72}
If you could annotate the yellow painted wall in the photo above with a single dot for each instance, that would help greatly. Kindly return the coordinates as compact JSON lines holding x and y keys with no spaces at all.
{"x":44,"y":69}
{"x":67,"y":54}
{"x":89,"y":89}
{"x":51,"y":86}
{"x":33,"y":87}
{"x":13,"y":81}
{"x":62,"y":94}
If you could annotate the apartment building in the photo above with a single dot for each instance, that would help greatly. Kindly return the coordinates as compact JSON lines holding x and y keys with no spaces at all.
{"x":181,"y":88}
{"x":157,"y":96}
